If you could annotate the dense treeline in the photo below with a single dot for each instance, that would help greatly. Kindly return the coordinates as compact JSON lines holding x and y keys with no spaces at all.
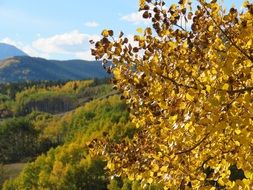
{"x":10,"y":89}
{"x":23,"y":138}
{"x":69,"y":166}
{"x":28,"y":135}
{"x":49,"y":97}
{"x":17,"y":140}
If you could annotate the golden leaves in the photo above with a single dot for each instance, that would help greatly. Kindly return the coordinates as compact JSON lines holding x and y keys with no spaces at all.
{"x":225,"y":86}
{"x":249,"y":44}
{"x":105,"y":33}
{"x":193,"y":83}
{"x":210,"y":28}
{"x":189,"y":97}
{"x":110,"y":165}
{"x":155,"y":168}
{"x":141,"y":3}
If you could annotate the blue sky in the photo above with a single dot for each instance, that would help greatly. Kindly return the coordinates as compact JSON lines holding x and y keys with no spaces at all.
{"x":58,"y":29}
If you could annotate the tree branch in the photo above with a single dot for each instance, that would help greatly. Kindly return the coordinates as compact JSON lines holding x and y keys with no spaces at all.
{"x":249,"y":89}
{"x":192,"y":148}
{"x":224,"y":33}
{"x":180,"y":27}
{"x":178,"y":84}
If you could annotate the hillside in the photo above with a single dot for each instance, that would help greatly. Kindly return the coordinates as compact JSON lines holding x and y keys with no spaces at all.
{"x":7,"y":51}
{"x":26,"y":136}
{"x":25,"y":68}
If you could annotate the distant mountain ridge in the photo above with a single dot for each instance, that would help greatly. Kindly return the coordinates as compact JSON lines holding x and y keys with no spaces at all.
{"x":7,"y":51}
{"x":25,"y":68}
{"x":17,"y":66}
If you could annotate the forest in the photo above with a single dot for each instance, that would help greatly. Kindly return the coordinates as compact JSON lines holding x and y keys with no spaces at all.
{"x":53,"y":148}
{"x":50,"y":141}
{"x":176,"y":114}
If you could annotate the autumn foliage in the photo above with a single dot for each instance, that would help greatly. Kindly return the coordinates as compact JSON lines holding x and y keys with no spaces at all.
{"x":189,"y":83}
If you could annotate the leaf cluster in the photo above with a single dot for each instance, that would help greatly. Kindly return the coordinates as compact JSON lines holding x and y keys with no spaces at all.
{"x":189,"y":83}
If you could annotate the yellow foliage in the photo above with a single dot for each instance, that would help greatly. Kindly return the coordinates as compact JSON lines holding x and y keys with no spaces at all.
{"x":191,"y":96}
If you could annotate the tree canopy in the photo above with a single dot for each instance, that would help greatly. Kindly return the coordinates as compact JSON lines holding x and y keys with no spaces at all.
{"x":188,"y":80}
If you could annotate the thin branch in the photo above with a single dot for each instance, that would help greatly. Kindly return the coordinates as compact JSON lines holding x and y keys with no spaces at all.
{"x":180,"y":27}
{"x":242,"y":90}
{"x":178,"y":84}
{"x":224,"y":33}
{"x":192,"y":148}
{"x":247,"y":89}
{"x":203,"y":164}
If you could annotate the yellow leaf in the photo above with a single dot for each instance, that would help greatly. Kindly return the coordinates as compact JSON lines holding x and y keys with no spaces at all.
{"x":182,"y":105}
{"x":248,"y":174}
{"x":246,"y":3}
{"x":172,"y":44}
{"x":155,"y":59}
{"x":110,"y":166}
{"x":150,"y":180}
{"x":155,"y":167}
{"x":174,"y":118}
{"x":248,"y":63}
{"x":249,"y":43}
{"x":116,"y":73}
{"x":237,"y":143}
{"x":164,"y":168}
{"x":210,"y":28}
{"x":131,"y":177}
{"x":136,"y":80}
{"x":187,"y":126}
{"x":185,"y":44}
{"x":238,"y":131}
{"x":221,"y":182}
{"x":189,"y":97}
{"x":138,"y":177}
{"x":105,"y":33}
{"x":141,"y":3}
{"x":139,"y":30}
{"x":208,"y":88}
{"x":225,"y":86}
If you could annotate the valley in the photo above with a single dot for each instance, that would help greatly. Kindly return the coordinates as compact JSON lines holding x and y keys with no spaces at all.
{"x":50,"y":111}
{"x":42,"y":126}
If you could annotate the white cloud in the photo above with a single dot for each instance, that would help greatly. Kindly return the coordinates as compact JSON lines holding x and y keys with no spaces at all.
{"x":91,"y":24}
{"x":25,"y":48}
{"x":29,"y":50}
{"x":71,"y":45}
{"x":135,"y":18}
{"x":60,"y":43}
{"x":10,"y":41}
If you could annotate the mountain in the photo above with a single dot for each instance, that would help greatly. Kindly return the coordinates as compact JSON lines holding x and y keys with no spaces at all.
{"x":25,"y":68}
{"x":7,"y":51}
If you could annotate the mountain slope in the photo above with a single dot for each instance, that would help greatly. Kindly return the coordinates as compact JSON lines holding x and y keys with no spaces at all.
{"x":23,"y":68}
{"x":7,"y":51}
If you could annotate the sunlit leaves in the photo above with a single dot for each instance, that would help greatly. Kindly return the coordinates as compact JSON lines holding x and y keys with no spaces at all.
{"x":105,"y":33}
{"x":193,"y":101}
